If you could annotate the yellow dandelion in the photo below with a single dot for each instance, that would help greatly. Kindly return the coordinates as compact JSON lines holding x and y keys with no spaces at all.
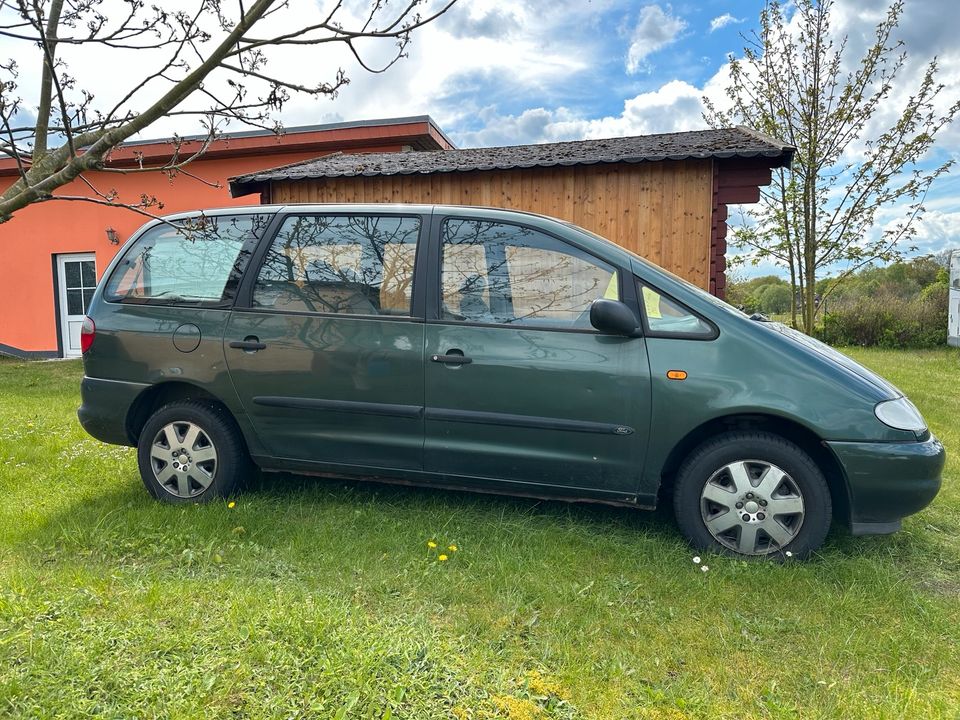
{"x":442,"y":558}
{"x":431,"y":544}
{"x":452,"y":548}
{"x":231,"y":504}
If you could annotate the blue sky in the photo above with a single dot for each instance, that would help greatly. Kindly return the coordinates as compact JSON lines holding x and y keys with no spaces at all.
{"x":502,"y":72}
{"x":516,"y":72}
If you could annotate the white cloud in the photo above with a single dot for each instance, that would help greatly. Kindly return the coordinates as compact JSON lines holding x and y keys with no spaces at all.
{"x":655,"y":30}
{"x":723,"y":20}
{"x":476,"y":55}
{"x":494,"y":23}
{"x":516,"y":71}
{"x":936,"y":231}
{"x":925,"y":34}
{"x":520,"y":47}
{"x":674,"y":107}
{"x":927,"y":30}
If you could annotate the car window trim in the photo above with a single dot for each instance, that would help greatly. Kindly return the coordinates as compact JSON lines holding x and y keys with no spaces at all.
{"x":328,"y":315}
{"x":648,"y":332}
{"x":231,"y":288}
{"x":435,"y":269}
{"x":244,"y":298}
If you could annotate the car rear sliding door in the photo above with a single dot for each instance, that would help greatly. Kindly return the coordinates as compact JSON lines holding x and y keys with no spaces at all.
{"x":325,"y":349}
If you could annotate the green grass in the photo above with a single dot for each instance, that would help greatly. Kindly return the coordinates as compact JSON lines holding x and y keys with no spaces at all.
{"x":318,"y":599}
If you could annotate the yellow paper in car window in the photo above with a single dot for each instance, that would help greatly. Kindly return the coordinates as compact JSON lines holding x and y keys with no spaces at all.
{"x":651,"y":302}
{"x":613,"y":288}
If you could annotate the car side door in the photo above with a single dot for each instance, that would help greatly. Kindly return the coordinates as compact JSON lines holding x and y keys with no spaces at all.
{"x":325,"y":345}
{"x":522,"y":393}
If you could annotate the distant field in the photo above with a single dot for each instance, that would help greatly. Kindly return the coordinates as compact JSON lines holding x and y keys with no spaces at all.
{"x":321,"y":599}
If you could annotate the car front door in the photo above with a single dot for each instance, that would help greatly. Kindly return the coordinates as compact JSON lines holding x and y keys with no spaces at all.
{"x":324,"y":347}
{"x":519,"y":386}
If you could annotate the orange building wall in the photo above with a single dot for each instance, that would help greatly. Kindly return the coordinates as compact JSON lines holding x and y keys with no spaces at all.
{"x":35,"y":234}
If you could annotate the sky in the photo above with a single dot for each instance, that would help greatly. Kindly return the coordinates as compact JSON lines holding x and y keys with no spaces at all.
{"x":504,"y":72}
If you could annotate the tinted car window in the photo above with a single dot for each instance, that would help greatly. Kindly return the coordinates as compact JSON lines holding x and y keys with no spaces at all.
{"x":666,"y":316}
{"x":198,"y":260}
{"x":508,"y":274}
{"x":359,"y":265}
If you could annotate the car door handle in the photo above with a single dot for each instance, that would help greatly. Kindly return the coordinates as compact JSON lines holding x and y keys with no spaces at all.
{"x":250,"y":344}
{"x":451,"y":359}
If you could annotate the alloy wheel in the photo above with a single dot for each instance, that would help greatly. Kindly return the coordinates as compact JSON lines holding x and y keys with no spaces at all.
{"x":752,"y":507}
{"x":183,"y":459}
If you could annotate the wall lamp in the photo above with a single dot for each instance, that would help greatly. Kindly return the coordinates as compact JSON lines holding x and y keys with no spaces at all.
{"x":113,"y":236}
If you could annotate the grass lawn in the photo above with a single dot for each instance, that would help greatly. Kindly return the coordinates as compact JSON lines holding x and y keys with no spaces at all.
{"x":321,"y":599}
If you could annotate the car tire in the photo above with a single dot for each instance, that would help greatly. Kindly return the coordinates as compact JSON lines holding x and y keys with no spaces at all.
{"x":191,"y":452}
{"x":752,"y":494}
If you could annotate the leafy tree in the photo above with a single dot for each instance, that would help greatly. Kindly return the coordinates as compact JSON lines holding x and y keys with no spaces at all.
{"x":207,"y":59}
{"x":793,"y":83}
{"x":775,"y":298}
{"x":900,"y":305}
{"x":749,"y":294}
{"x":900,"y":279}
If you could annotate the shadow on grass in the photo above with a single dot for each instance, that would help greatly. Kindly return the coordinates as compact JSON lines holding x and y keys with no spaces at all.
{"x":403,"y":496}
{"x":305,"y":521}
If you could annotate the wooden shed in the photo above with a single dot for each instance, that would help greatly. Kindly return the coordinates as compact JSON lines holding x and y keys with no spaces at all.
{"x":662,"y":196}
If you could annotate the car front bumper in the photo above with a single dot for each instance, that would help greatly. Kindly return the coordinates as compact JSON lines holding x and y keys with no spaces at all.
{"x":888,"y":481}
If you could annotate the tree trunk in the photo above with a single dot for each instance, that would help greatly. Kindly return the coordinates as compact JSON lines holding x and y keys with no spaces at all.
{"x":809,"y":304}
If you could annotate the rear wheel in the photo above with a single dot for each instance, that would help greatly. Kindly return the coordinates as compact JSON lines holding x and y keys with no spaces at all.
{"x":191,"y":452}
{"x":752,"y":494}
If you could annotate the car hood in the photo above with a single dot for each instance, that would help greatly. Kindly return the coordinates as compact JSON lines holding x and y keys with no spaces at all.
{"x":835,"y":357}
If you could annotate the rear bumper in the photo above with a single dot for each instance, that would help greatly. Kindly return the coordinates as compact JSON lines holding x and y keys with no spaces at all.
{"x":105,"y":406}
{"x":888,"y":481}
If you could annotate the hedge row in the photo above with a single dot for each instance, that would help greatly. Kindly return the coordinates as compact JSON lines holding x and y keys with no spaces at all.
{"x":890,"y":321}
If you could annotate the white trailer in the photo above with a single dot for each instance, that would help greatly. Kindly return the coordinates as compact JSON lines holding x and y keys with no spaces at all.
{"x":953,"y":321}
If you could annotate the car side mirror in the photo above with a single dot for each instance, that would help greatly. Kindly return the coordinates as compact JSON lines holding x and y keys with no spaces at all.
{"x":614,"y":318}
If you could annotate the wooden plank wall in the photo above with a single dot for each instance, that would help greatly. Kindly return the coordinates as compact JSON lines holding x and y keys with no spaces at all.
{"x":659,"y":210}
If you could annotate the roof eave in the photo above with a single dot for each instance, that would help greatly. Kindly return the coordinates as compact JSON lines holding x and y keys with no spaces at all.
{"x":242,"y":184}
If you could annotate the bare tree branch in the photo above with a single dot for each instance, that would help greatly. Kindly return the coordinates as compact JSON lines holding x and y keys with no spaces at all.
{"x":204,"y":63}
{"x":791,"y":83}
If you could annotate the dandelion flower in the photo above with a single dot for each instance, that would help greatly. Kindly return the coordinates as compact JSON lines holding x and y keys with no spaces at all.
{"x":452,"y":548}
{"x":442,"y":558}
{"x":704,"y":568}
{"x":431,"y":544}
{"x":231,"y":504}
{"x":696,"y":559}
{"x":789,"y":554}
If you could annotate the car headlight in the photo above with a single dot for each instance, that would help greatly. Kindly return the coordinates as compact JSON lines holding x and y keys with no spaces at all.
{"x":900,"y":414}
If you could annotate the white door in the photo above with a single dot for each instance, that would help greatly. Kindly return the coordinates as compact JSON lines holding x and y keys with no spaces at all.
{"x":76,"y":280}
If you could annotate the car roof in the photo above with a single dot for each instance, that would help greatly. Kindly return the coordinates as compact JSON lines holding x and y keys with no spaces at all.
{"x":418,"y":208}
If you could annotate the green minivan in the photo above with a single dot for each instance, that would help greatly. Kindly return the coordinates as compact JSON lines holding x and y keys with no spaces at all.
{"x":485,"y":350}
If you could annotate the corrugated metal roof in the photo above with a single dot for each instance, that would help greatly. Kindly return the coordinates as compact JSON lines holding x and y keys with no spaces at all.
{"x":736,"y":142}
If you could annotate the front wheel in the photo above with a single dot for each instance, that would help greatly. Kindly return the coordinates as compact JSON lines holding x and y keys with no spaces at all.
{"x":191,"y":452}
{"x":753,"y":494}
